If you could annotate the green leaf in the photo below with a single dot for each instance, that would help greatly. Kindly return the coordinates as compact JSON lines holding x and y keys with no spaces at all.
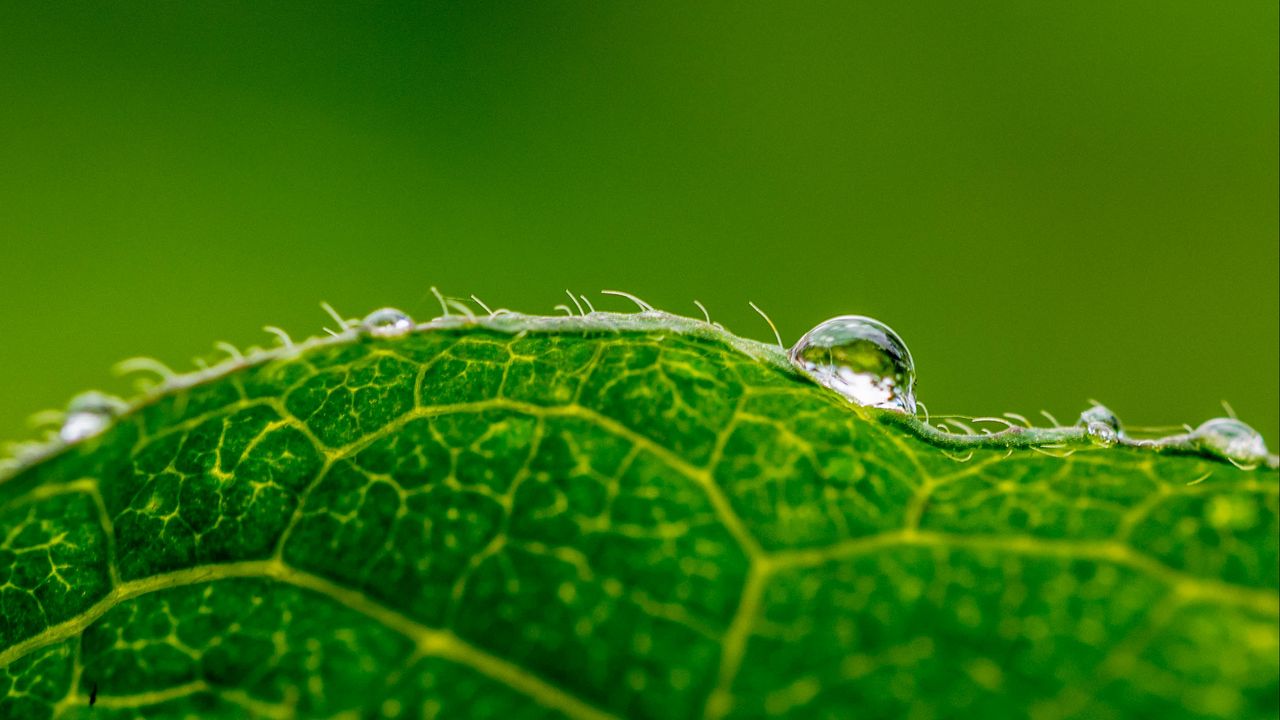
{"x":616,"y":516}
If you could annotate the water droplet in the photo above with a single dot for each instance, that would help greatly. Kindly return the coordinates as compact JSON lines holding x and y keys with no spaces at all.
{"x":1232,"y":440}
{"x":862,"y":359}
{"x":387,"y":322}
{"x":89,"y":414}
{"x":1101,"y":426}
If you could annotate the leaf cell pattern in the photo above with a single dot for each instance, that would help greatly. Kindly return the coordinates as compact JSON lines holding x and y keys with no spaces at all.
{"x":640,"y":524}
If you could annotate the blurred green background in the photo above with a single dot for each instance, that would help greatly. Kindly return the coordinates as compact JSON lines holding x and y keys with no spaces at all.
{"x":1049,"y":201}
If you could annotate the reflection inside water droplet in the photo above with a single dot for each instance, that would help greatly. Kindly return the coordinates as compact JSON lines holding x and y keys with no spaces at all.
{"x":89,"y":414}
{"x":1232,"y":440}
{"x":862,"y":359}
{"x":1101,"y":434}
{"x":387,"y":322}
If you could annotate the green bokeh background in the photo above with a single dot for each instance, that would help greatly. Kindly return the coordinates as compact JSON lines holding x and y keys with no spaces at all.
{"x":1049,"y":201}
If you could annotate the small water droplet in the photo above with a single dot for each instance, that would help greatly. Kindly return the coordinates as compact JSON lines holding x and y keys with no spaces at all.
{"x":1232,"y":440}
{"x":387,"y":322}
{"x":89,"y":414}
{"x":862,"y":359}
{"x":1101,"y":426}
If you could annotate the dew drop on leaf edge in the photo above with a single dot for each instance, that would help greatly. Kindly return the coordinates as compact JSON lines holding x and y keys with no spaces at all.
{"x":89,"y":414}
{"x":862,"y":359}
{"x":1232,"y":440}
{"x":1101,"y":426}
{"x":387,"y":322}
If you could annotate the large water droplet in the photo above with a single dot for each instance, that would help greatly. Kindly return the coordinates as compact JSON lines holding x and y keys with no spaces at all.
{"x":1101,"y":426}
{"x":1232,"y":440}
{"x":862,"y":359}
{"x":387,"y":322}
{"x":89,"y":414}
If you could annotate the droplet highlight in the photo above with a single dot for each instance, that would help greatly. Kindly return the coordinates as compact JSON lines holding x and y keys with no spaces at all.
{"x":862,"y":359}
{"x":1101,"y":426}
{"x":387,"y":322}
{"x":88,"y":414}
{"x":1231,"y":440}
